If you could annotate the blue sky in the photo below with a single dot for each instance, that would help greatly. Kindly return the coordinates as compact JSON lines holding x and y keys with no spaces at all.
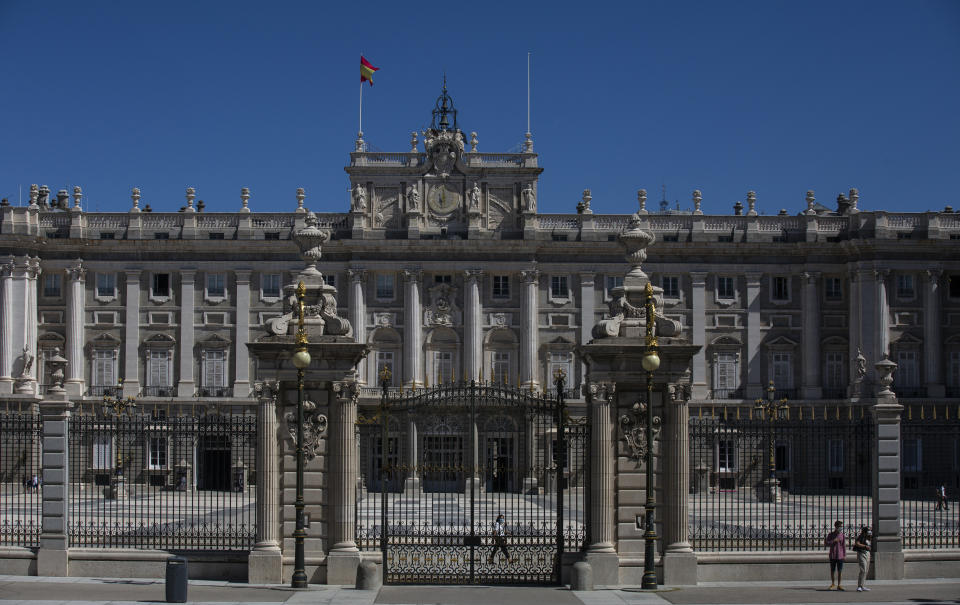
{"x":778,"y":97}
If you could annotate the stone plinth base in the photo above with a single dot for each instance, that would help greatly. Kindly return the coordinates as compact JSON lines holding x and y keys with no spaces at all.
{"x":265,"y":567}
{"x":412,"y":486}
{"x":606,"y":568}
{"x":342,"y":568}
{"x":769,"y":491}
{"x":679,"y":569}
{"x":530,"y":486}
{"x":472,"y":486}
{"x":887,"y":566}
{"x":52,"y":562}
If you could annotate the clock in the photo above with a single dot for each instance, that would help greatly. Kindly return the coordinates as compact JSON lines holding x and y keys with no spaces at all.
{"x":444,"y":199}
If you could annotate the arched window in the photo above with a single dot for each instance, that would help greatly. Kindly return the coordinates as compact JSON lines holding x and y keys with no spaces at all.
{"x":442,"y":356}
{"x":500,"y":356}
{"x":385,"y":345}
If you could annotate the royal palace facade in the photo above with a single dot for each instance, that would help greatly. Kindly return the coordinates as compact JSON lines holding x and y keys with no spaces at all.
{"x":440,"y":269}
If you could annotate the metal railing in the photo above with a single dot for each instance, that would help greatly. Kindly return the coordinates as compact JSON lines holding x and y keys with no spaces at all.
{"x":184,"y":480}
{"x":727,"y":393}
{"x":929,"y":437}
{"x":168,"y":391}
{"x":214,"y":392}
{"x":745,"y":497}
{"x":20,"y":479}
{"x":909,"y":392}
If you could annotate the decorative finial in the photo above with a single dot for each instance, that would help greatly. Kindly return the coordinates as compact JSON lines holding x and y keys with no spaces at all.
{"x":359,"y":145}
{"x":583,"y":207}
{"x":528,"y":143}
{"x":135,"y":196}
{"x":443,"y":109}
{"x":697,"y":199}
{"x":752,"y":203}
{"x":77,"y":196}
{"x":34,"y":194}
{"x":810,"y":201}
{"x":737,"y":208}
{"x":300,"y":197}
{"x":245,"y":199}
{"x":191,"y":194}
{"x":854,"y":198}
{"x":473,"y":142}
{"x":642,"y":198}
{"x":413,"y":142}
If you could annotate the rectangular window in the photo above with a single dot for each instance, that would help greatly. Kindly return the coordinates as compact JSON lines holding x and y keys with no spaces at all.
{"x":214,"y":369}
{"x":781,"y":288}
{"x":833,"y":370}
{"x":104,"y":368}
{"x":216,"y":285}
{"x":501,"y":286}
{"x":272,"y":235}
{"x":51,"y":285}
{"x":442,"y":279}
{"x":102,"y":452}
{"x":908,"y":371}
{"x":330,"y":280}
{"x":501,"y":367}
{"x":782,"y":371}
{"x":158,"y":453}
{"x":726,"y":455}
{"x":385,"y":361}
{"x":158,"y":368}
{"x":725,"y":289}
{"x":671,"y":286}
{"x":905,"y":286}
{"x":106,"y":284}
{"x":781,"y":456}
{"x":161,"y":284}
{"x":835,"y":455}
{"x":107,"y":235}
{"x":727,"y":379}
{"x":912,"y":455}
{"x":833,"y":287}
{"x":215,"y":235}
{"x":562,"y":360}
{"x":271,"y":285}
{"x":953,"y":286}
{"x":559,"y":286}
{"x":161,"y":235}
{"x":385,"y":286}
{"x":442,"y":367}
{"x":613,"y":281}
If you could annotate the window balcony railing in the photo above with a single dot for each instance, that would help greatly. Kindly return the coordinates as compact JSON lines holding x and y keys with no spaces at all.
{"x":214,"y":392}
{"x":159,"y":391}
{"x":834,"y":393}
{"x":786,"y":393}
{"x":100,"y":391}
{"x":727,"y":393}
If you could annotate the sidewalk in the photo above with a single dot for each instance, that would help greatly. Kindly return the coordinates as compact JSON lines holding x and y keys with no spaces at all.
{"x":20,"y":590}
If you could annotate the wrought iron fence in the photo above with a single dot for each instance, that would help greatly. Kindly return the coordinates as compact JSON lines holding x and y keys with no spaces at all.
{"x":930,"y":476}
{"x":780,"y":485}
{"x":20,"y":478}
{"x":168,"y":477}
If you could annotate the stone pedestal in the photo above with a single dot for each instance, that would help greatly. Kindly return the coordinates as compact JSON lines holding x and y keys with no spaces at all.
{"x":769,"y":491}
{"x":52,"y":556}
{"x":888,"y":546}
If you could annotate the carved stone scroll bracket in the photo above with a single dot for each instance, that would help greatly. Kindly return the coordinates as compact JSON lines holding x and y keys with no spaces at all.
{"x":314,"y":427}
{"x":633,"y":426}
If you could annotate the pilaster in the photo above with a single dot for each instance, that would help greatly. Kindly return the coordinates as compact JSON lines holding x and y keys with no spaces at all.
{"x":601,"y":553}
{"x":587,"y":312}
{"x":811,"y":337}
{"x":187,"y":386}
{"x":699,"y":335}
{"x":265,"y":564}
{"x":76,"y":300}
{"x":679,"y":560}
{"x":241,"y":368}
{"x":6,"y":327}
{"x":412,"y":331}
{"x":358,"y":313}
{"x":530,"y":329}
{"x":754,"y":337}
{"x":472,"y":330}
{"x":344,"y":556}
{"x":931,"y":335}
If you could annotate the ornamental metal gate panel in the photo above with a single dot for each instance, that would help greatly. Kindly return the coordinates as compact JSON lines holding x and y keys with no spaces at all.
{"x":448,"y":461}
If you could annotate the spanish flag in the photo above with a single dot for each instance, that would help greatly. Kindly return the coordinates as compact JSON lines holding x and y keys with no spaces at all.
{"x":366,"y":71}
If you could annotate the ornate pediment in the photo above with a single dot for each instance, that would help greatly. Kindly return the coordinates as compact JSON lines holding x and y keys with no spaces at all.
{"x":159,"y":340}
{"x":443,"y":310}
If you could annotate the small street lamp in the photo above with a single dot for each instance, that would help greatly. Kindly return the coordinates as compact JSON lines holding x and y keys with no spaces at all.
{"x":774,"y":410}
{"x":114,"y":406}
{"x":650,"y":363}
{"x":301,"y":359}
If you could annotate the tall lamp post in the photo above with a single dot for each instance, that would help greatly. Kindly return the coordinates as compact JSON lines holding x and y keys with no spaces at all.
{"x":301,"y":359}
{"x":773,"y":409}
{"x":114,"y":406}
{"x":650,"y":362}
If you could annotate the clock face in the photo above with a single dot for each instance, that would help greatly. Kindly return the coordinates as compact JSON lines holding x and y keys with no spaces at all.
{"x":444,"y":199}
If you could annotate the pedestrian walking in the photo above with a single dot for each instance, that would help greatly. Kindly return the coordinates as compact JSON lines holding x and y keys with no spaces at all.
{"x":499,"y":540}
{"x":836,"y":542}
{"x":942,"y":497}
{"x":863,"y":545}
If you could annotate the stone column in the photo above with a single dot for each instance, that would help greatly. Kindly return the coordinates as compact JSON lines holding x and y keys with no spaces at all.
{"x":344,"y":556}
{"x":882,"y":325}
{"x":887,"y":545}
{"x":679,"y":561}
{"x":853,"y":334}
{"x":812,"y":388}
{"x":587,"y":316}
{"x":412,"y":485}
{"x":601,"y":553}
{"x":6,"y":327}
{"x":412,"y":332}
{"x":187,"y":386}
{"x":76,"y":299}
{"x":265,"y":564}
{"x":701,"y":386}
{"x":21,"y":291}
{"x":529,"y":318}
{"x":241,"y":362}
{"x":754,"y":358}
{"x":131,"y":337}
{"x":472,"y":337}
{"x":52,"y":557}
{"x":358,"y":314}
{"x":932,"y":361}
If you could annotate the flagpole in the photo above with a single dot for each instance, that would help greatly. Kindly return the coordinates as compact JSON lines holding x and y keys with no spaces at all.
{"x":360,"y":129}
{"x":528,"y":92}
